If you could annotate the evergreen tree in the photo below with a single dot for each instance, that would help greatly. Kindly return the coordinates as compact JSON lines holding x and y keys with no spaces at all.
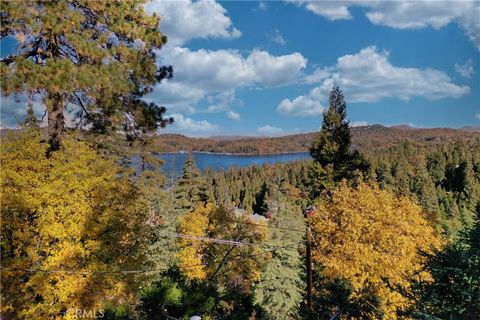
{"x":261,"y":206}
{"x":280,"y":290}
{"x":333,"y":159}
{"x":454,"y":292}
{"x":191,"y":187}
{"x":97,"y":55}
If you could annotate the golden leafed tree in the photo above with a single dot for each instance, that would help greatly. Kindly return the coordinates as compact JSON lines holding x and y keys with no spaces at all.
{"x":65,"y":250}
{"x":372,"y":239}
{"x":226,"y":264}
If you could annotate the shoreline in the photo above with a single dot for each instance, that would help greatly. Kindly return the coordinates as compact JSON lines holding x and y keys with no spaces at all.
{"x":232,"y":154}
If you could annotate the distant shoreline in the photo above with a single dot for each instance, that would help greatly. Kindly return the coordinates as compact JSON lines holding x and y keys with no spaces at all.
{"x":233,"y":154}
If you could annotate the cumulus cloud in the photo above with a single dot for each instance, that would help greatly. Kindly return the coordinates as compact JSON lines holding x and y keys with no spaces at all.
{"x":465,"y":70}
{"x":317,"y":75}
{"x":304,"y":106}
{"x":269,"y":130}
{"x":368,"y":76}
{"x":189,"y":125}
{"x":232,"y":115}
{"x":177,"y":96}
{"x":228,"y":69}
{"x":331,"y":10}
{"x":183,"y":20}
{"x":406,"y":14}
{"x":200,"y":74}
{"x":222,"y":101}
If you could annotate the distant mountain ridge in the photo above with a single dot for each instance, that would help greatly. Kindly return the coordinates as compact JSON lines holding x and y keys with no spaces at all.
{"x":362,"y":137}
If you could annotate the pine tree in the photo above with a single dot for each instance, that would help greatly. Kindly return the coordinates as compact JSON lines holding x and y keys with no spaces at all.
{"x":280,"y":290}
{"x":332,"y":146}
{"x":98,"y":55}
{"x":333,"y":159}
{"x":191,"y":187}
{"x":454,"y":292}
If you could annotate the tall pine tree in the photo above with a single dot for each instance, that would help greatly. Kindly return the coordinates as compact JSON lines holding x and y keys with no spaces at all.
{"x":191,"y":187}
{"x":333,"y":159}
{"x":97,"y":55}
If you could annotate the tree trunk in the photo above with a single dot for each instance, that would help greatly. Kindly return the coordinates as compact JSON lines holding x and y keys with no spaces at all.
{"x":56,"y":122}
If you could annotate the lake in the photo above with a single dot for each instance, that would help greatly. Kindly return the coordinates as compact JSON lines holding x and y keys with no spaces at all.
{"x":174,"y":161}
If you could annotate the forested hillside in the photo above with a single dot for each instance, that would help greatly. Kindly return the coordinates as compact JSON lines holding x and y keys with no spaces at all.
{"x":362,"y":137}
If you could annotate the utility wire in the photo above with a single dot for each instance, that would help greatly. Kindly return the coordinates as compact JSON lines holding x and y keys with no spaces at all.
{"x":261,"y":225}
{"x":63,"y":271}
{"x":223,"y":241}
{"x":273,"y":248}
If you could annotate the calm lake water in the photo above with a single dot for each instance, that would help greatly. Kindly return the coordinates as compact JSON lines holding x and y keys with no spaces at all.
{"x":174,"y":161}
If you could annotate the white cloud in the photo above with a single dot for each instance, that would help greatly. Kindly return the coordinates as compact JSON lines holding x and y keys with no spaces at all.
{"x":269,"y":130}
{"x":417,"y":14}
{"x":203,"y":73}
{"x":465,"y":70}
{"x":222,"y":101}
{"x":177,"y":96}
{"x":189,"y":125}
{"x":232,"y":115}
{"x":358,"y":123}
{"x":183,"y":20}
{"x":304,"y":106}
{"x":331,"y":10}
{"x":228,"y":69}
{"x":368,"y":76}
{"x":273,"y":71}
{"x":477,"y":115}
{"x":277,"y":37}
{"x":406,"y":14}
{"x":317,"y":75}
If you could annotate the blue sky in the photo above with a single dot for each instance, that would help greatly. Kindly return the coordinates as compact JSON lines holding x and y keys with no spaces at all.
{"x":265,"y":68}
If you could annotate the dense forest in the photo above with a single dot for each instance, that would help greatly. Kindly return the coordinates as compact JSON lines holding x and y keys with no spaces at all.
{"x":382,"y":223}
{"x":362,"y":137}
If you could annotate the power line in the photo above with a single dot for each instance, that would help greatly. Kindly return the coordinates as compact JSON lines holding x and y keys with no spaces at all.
{"x":63,"y":271}
{"x":176,"y":235}
{"x":223,"y":241}
{"x":261,"y":225}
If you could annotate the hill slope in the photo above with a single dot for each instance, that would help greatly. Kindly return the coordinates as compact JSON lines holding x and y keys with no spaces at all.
{"x":363,"y":137}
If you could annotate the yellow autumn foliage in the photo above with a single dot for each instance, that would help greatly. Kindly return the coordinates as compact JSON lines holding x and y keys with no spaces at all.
{"x":372,"y":238}
{"x":230,"y":264}
{"x":69,"y":224}
{"x":190,"y":256}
